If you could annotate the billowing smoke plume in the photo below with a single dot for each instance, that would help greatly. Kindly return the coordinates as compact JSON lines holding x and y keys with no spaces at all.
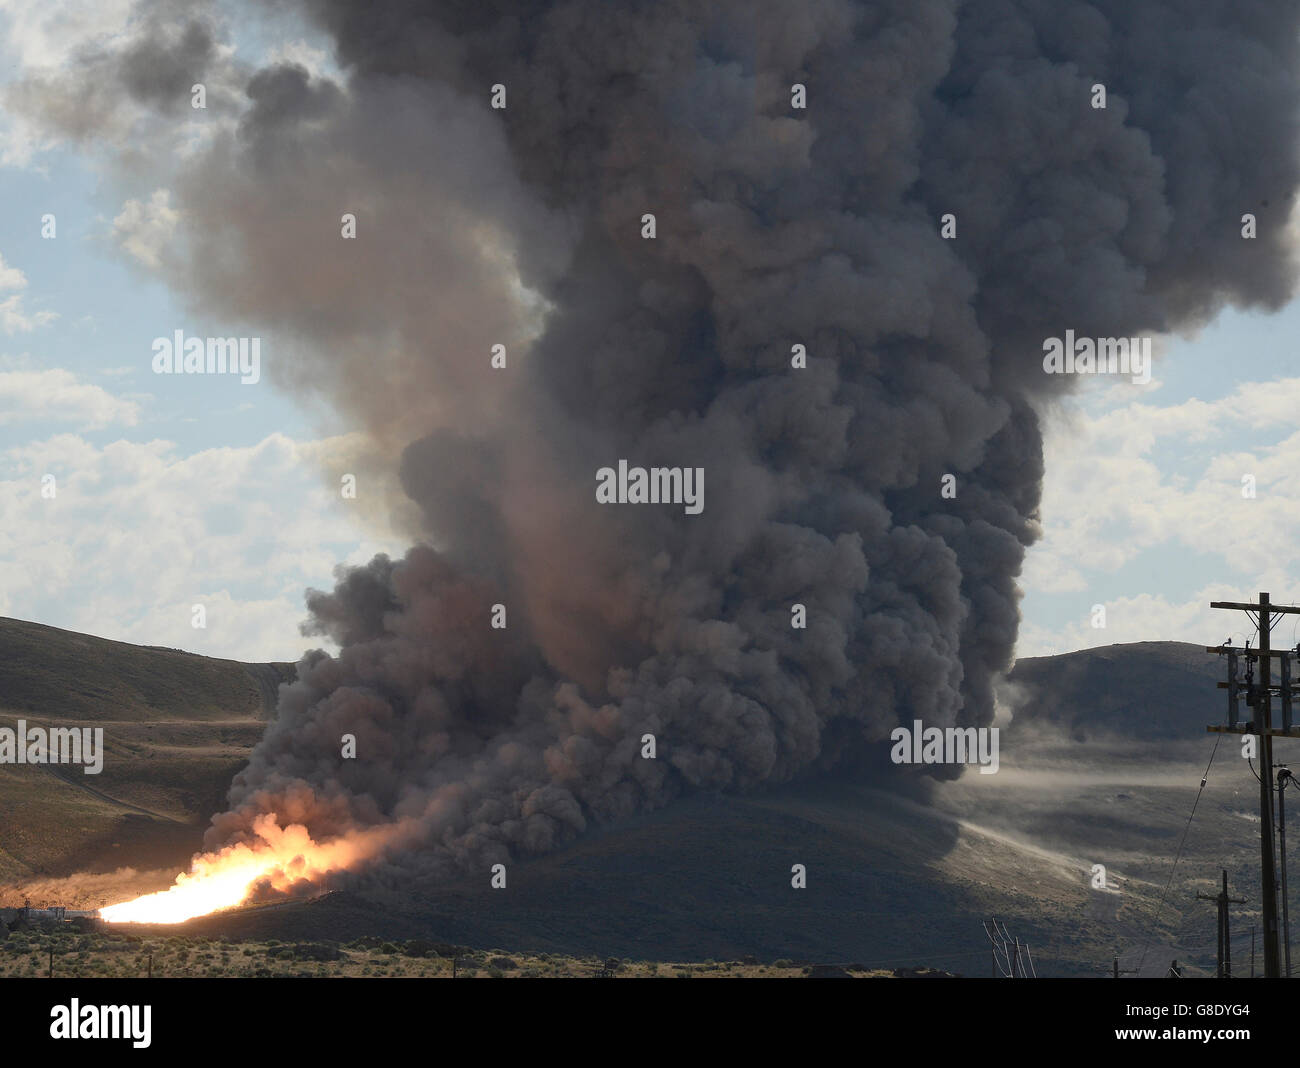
{"x":776,"y":226}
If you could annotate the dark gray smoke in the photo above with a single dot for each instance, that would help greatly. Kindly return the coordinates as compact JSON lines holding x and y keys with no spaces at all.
{"x":776,"y":227}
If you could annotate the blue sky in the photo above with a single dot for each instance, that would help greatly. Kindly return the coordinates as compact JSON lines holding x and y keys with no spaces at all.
{"x":170,"y":495}
{"x":146,"y":465}
{"x":170,"y":491}
{"x":1143,"y":507}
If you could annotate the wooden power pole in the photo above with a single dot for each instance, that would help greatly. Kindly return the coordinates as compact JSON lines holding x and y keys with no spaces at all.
{"x":1259,"y":698}
{"x":1225,"y":939}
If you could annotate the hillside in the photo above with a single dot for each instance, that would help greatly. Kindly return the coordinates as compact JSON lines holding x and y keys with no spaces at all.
{"x":1100,"y":764}
{"x":177,"y":726}
{"x":1140,"y":690}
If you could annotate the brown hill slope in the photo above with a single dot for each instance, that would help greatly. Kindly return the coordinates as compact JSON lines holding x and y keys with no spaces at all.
{"x":177,"y":726}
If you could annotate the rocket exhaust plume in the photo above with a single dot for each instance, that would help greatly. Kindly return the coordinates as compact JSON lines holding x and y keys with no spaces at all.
{"x":797,"y":325}
{"x":276,"y":861}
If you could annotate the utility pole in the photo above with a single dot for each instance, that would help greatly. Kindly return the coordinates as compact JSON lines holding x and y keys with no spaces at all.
{"x":1260,"y":699}
{"x":1284,"y":779}
{"x":1225,"y":940}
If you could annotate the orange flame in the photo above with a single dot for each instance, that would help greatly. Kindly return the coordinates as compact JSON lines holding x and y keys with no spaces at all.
{"x":225,"y":879}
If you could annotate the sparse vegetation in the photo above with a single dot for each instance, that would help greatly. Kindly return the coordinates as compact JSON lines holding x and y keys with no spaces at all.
{"x":112,"y":955}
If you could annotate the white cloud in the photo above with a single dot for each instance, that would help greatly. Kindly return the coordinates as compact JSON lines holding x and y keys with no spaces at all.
{"x":1144,"y":617}
{"x":49,"y":34}
{"x":144,"y":229}
{"x":1109,"y":495}
{"x":137,"y":534}
{"x":11,"y":277}
{"x":13,"y":318}
{"x":1113,"y":492}
{"x":56,"y":396}
{"x":316,"y":61}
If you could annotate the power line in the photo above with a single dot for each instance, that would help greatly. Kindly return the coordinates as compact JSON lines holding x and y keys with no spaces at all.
{"x":1179,"y":856}
{"x":1015,"y":966}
